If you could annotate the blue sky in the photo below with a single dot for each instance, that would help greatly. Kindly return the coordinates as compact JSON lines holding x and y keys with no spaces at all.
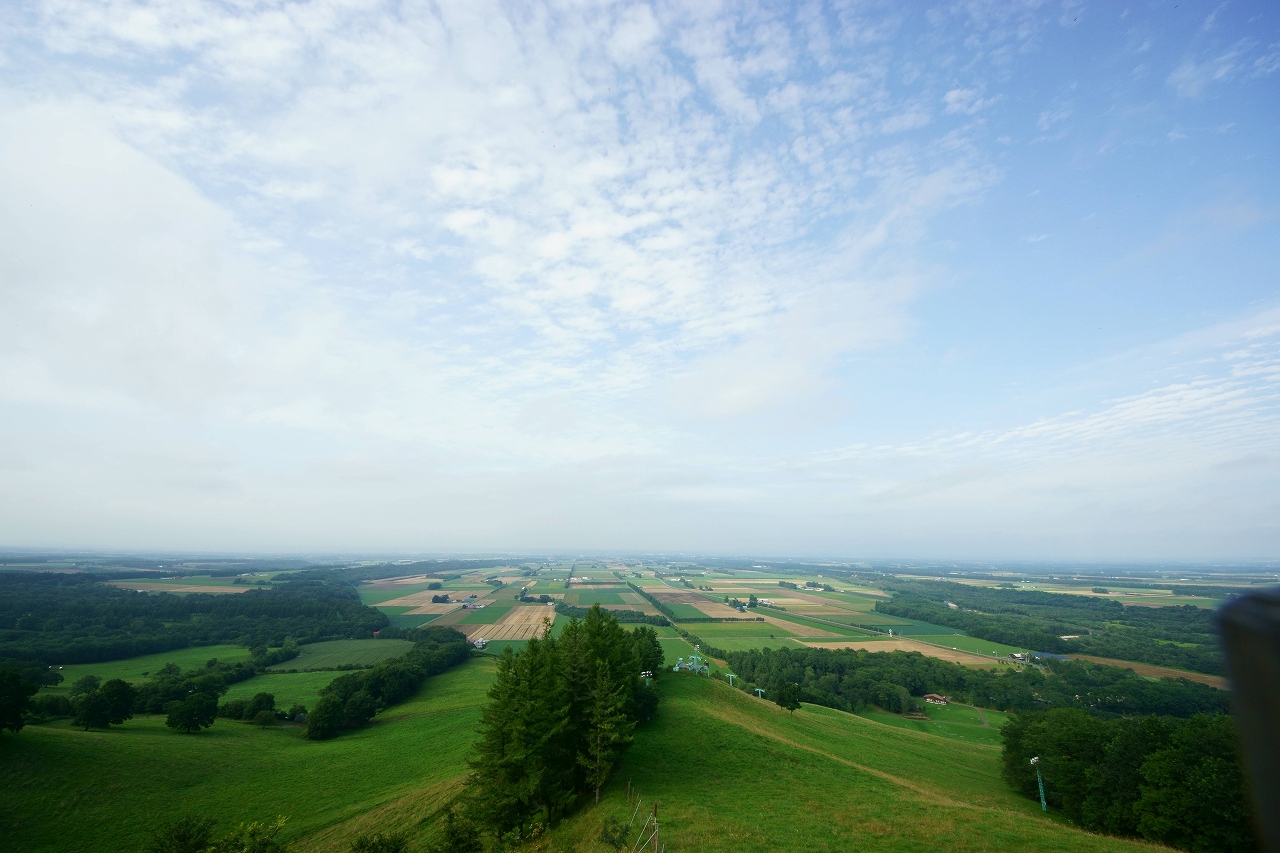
{"x":972,"y":280}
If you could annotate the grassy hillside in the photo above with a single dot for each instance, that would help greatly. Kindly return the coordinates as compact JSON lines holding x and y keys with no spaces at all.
{"x":102,"y":791}
{"x":732,"y":773}
{"x":334,"y":653}
{"x":729,"y":772}
{"x":137,"y":669}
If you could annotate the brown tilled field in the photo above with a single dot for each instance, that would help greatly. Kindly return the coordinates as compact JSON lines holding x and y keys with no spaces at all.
{"x":520,"y":623}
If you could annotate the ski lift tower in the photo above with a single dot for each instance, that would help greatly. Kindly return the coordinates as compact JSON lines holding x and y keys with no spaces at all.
{"x":731,"y":677}
{"x":1035,"y":762}
{"x":760,"y":692}
{"x":698,"y":665}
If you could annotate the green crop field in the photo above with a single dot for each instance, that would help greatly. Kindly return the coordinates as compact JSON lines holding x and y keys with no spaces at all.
{"x":588,"y":597}
{"x":489,"y":614}
{"x":335,"y":653}
{"x":742,"y":644}
{"x":401,"y":618}
{"x":371,"y":596}
{"x":687,"y":611}
{"x":820,"y":623}
{"x":707,"y":630}
{"x":288,"y":688}
{"x":137,"y":669}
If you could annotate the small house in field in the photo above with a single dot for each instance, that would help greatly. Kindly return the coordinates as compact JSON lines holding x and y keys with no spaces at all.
{"x":935,"y":699}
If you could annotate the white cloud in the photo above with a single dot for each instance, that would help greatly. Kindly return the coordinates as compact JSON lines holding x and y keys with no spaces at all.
{"x":343,"y":274}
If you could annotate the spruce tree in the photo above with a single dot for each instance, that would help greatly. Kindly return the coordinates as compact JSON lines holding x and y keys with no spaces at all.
{"x":608,"y":729}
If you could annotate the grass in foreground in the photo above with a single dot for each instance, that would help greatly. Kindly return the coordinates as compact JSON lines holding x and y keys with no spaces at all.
{"x":103,"y":791}
{"x":729,"y":772}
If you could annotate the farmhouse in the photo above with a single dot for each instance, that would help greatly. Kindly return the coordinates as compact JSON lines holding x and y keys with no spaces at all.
{"x":935,"y":699}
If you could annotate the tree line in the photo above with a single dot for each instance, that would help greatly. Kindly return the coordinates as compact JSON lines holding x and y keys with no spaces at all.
{"x":1179,"y":636}
{"x":627,"y":616}
{"x":1171,"y":781}
{"x":74,"y":618}
{"x":352,"y":700}
{"x":190,"y":699}
{"x":561,"y":713}
{"x":852,"y":680}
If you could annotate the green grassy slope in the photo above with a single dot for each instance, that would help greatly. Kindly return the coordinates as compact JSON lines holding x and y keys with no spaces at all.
{"x":335,"y":653}
{"x":728,"y":771}
{"x":138,"y":669}
{"x":70,"y":790}
{"x":733,"y":773}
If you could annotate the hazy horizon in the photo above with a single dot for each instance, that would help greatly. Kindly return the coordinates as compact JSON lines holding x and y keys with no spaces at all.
{"x":979,"y":281}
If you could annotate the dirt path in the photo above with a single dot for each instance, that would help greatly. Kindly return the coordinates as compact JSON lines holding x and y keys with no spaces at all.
{"x":981,"y":716}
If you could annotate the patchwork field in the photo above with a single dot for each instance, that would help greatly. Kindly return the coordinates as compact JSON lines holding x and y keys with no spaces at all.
{"x":519,"y":623}
{"x":336,"y":653}
{"x":588,"y":597}
{"x":486,"y":615}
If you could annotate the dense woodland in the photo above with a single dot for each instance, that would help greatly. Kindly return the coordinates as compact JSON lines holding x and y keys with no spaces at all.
{"x":1176,"y":782}
{"x":74,"y":618}
{"x":561,"y":712}
{"x":1178,"y":636}
{"x":853,"y":680}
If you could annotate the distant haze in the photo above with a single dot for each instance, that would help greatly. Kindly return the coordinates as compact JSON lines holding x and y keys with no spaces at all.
{"x":986,"y":280}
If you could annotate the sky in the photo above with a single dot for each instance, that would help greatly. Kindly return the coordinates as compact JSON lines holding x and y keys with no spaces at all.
{"x":981,"y":280}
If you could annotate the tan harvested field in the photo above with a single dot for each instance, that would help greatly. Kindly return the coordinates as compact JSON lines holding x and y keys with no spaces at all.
{"x":902,"y":645}
{"x":1153,"y":671}
{"x":145,"y":586}
{"x":417,"y":599}
{"x":396,"y":583}
{"x":520,"y":623}
{"x":431,"y":609}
